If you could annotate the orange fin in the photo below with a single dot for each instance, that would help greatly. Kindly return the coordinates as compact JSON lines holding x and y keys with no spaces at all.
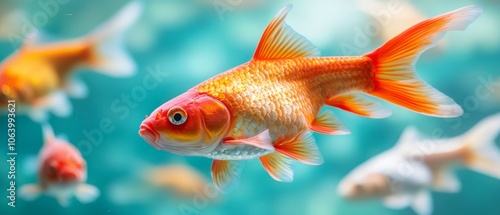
{"x":326,"y":123}
{"x":226,"y":174}
{"x":394,"y":76}
{"x":262,"y":140}
{"x":278,"y":166}
{"x":359,"y":105}
{"x":280,"y":41}
{"x":302,"y":148}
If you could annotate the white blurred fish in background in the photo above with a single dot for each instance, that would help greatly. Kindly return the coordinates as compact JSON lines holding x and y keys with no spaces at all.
{"x":404,"y":175}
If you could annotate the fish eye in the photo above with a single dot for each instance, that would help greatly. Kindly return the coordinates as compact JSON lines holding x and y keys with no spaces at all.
{"x":177,"y":115}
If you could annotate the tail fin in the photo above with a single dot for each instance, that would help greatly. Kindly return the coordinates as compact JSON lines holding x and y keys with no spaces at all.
{"x":394,"y":76}
{"x":109,"y":55}
{"x":483,"y":156}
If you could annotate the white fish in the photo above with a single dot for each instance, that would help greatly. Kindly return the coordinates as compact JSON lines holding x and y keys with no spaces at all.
{"x":403,"y":175}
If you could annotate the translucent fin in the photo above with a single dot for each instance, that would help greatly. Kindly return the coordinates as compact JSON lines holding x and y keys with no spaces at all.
{"x":482,"y":154}
{"x":110,"y":56}
{"x":357,"y":104}
{"x":77,"y":89}
{"x":326,"y":123}
{"x":60,"y":105}
{"x":303,"y":148}
{"x":445,"y":181}
{"x":408,"y":139}
{"x":397,"y":201}
{"x":394,"y":75}
{"x":226,"y":174}
{"x":30,"y":191}
{"x":278,"y":166}
{"x":422,"y":203}
{"x":262,"y":140}
{"x":280,"y":41}
{"x":86,"y":193}
{"x":48,"y":133}
{"x":57,"y":102}
{"x":63,"y":201}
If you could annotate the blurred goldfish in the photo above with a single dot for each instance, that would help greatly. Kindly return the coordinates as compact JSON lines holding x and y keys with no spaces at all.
{"x":62,"y":173}
{"x":148,"y":184}
{"x":403,"y":175}
{"x":266,"y":108}
{"x":183,"y":180}
{"x":37,"y":76}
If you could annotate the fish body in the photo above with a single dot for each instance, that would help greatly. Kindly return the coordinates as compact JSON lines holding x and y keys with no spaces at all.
{"x":403,"y":175}
{"x":267,"y":108}
{"x":38,"y":75}
{"x":62,"y":173}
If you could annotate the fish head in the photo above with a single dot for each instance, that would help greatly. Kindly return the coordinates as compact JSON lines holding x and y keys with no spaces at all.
{"x":368,"y":186}
{"x":62,"y":164}
{"x":190,"y":124}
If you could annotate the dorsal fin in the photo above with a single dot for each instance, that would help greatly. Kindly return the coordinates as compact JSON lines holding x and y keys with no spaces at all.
{"x":408,"y":138}
{"x":280,"y":41}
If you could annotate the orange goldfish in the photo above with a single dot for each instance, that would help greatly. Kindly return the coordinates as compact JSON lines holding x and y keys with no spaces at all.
{"x":267,"y":108}
{"x":38,"y":76}
{"x":403,"y":175}
{"x":62,"y":173}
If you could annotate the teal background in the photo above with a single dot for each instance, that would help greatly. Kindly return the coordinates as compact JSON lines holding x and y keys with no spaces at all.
{"x":187,"y":42}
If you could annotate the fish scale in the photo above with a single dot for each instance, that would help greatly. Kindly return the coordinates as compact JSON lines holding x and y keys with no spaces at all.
{"x":284,"y":96}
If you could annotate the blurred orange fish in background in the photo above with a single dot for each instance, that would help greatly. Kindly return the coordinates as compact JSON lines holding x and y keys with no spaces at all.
{"x":402,"y":176}
{"x":267,"y":108}
{"x":182,"y":179}
{"x":62,"y":173}
{"x":38,"y":76}
{"x":148,"y":183}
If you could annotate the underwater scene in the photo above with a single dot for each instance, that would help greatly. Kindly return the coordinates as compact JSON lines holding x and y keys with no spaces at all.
{"x":250,"y":107}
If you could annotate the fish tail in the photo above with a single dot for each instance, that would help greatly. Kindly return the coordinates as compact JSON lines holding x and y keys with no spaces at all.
{"x":108,"y":53}
{"x":482,"y":155}
{"x":394,"y":75}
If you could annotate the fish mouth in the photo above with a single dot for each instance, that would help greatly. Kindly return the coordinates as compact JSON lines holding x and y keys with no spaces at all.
{"x":149,"y":135}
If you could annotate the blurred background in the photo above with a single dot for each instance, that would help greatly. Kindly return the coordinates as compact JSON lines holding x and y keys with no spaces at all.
{"x":188,"y":41}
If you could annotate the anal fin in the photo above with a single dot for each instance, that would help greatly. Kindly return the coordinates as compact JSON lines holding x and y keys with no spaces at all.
{"x":278,"y":166}
{"x":360,"y":105}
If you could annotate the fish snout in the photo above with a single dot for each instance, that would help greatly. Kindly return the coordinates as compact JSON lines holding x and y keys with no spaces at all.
{"x":149,"y":135}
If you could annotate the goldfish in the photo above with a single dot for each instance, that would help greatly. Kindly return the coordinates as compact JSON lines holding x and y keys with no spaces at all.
{"x":268,"y":107}
{"x":182,"y":179}
{"x":181,"y":182}
{"x":62,"y":172}
{"x":403,"y":175}
{"x":38,"y":75}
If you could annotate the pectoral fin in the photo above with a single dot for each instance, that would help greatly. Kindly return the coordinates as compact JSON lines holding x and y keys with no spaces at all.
{"x":30,"y":191}
{"x":262,"y":140}
{"x":226,"y":174}
{"x":86,"y":193}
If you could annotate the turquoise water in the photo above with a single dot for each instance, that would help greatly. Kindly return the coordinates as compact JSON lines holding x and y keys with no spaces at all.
{"x":187,"y":42}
